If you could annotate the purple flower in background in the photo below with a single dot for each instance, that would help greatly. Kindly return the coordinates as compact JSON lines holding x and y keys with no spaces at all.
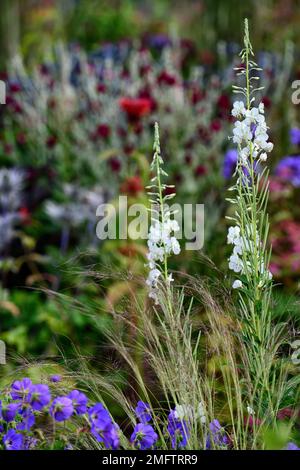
{"x":159,"y":41}
{"x":20,"y":389}
{"x":40,"y":396}
{"x":178,"y":430}
{"x":292,"y":446}
{"x":9,"y":413}
{"x":288,"y":169}
{"x":12,"y":440}
{"x":61,"y":408}
{"x":144,"y":436}
{"x":143,"y":412}
{"x":28,"y":420}
{"x":55,"y":378}
{"x":229,"y":164}
{"x":79,"y":401}
{"x":217,"y":435}
{"x":295,"y":136}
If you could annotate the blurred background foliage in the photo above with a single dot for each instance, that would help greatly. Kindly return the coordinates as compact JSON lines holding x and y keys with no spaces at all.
{"x":35,"y":24}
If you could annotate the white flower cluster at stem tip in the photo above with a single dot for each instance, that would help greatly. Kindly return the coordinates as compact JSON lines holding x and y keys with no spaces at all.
{"x":250,"y":132}
{"x":161,"y":243}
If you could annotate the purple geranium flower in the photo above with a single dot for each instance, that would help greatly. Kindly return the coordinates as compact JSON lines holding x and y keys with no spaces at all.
{"x":144,"y":436}
{"x":61,"y":408}
{"x":102,"y":427}
{"x":12,"y":440}
{"x":288,"y":170}
{"x":292,"y":446}
{"x":28,"y":420}
{"x":178,"y":431}
{"x":40,"y":396}
{"x":79,"y":401}
{"x":295,"y":136}
{"x":20,"y":389}
{"x":10,"y":411}
{"x":107,"y":433}
{"x":98,"y":414}
{"x":143,"y":412}
{"x":55,"y":378}
{"x":217,"y":435}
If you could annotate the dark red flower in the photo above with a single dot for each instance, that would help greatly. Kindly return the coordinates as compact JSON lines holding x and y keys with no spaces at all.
{"x":165,"y":78}
{"x":204,"y":134}
{"x":145,"y":69}
{"x":132,"y":186}
{"x":114,"y":164}
{"x":224,"y":103}
{"x":197,"y":95}
{"x":135,"y":108}
{"x":216,"y":125}
{"x":51,"y":141}
{"x":14,"y":88}
{"x":101,"y":88}
{"x":188,"y":159}
{"x":128,"y":149}
{"x":266,"y":101}
{"x":102,"y":131}
{"x":200,"y":170}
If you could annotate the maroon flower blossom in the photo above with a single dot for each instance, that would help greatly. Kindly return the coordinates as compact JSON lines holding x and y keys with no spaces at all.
{"x":165,"y":78}
{"x":200,"y":170}
{"x":132,"y":186}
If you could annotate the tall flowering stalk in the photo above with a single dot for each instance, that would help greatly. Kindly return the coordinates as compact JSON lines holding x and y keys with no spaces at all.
{"x":249,"y":234}
{"x":161,"y":239}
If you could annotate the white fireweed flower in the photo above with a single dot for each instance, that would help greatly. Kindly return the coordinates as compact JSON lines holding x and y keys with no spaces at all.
{"x":233,"y":235}
{"x":183,"y":412}
{"x":251,"y":129}
{"x":201,"y":413}
{"x":241,"y":132}
{"x":187,"y":412}
{"x":250,"y":410}
{"x":238,"y":109}
{"x":237,"y":284}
